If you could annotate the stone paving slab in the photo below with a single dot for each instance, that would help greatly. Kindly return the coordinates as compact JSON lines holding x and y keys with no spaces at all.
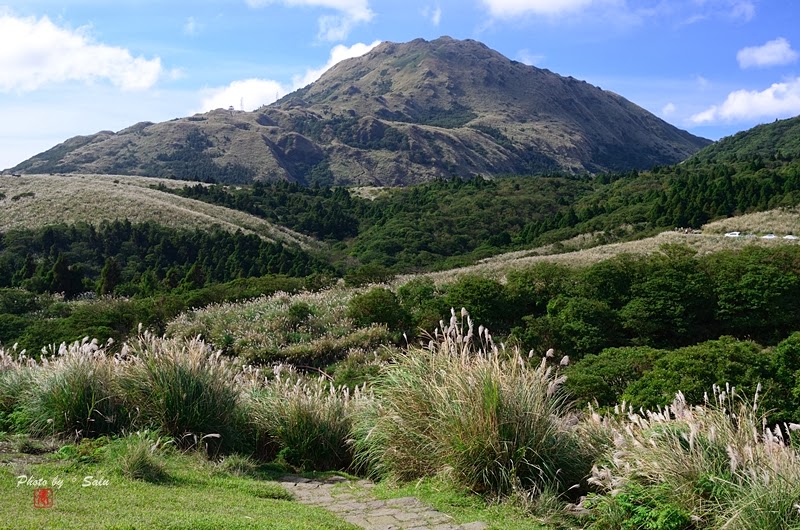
{"x":357,"y":506}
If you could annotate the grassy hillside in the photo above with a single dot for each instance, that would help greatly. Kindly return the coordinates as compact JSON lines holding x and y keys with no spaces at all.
{"x":34,"y":201}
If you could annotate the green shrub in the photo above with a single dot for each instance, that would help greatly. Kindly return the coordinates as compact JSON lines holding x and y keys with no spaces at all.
{"x":638,"y":508}
{"x":378,"y":306}
{"x":484,"y":298}
{"x":184,"y":390}
{"x":367,"y":274}
{"x":603,"y":378}
{"x":492,"y":421}
{"x":425,"y":305}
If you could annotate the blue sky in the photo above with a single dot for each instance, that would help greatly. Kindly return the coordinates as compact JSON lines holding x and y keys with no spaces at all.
{"x":713,"y":67}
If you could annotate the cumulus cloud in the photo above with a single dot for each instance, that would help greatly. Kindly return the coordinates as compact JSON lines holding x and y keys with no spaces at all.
{"x":249,"y":94}
{"x":36,"y":52}
{"x":781,"y":100}
{"x":253,"y":93}
{"x":338,"y":54}
{"x":669,"y":109}
{"x":331,"y":27}
{"x":774,"y":53}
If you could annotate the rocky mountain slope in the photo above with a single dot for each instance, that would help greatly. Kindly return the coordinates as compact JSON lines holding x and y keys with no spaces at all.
{"x":401,"y":114}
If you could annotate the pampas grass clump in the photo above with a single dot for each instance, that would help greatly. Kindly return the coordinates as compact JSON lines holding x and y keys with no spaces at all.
{"x":307,"y":421}
{"x":719,"y":462}
{"x":494,"y":421}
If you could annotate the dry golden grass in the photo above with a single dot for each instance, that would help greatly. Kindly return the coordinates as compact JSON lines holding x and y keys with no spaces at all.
{"x":33,"y":201}
{"x":779,"y":222}
{"x":498,"y":266}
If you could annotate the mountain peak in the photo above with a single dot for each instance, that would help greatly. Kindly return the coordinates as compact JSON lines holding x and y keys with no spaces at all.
{"x":401,"y":113}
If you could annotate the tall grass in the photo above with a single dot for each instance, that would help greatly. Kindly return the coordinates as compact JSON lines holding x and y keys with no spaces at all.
{"x":184,"y":390}
{"x":307,"y":421}
{"x":718,"y":463}
{"x":71,"y":392}
{"x":491,"y":419}
{"x":16,"y":377}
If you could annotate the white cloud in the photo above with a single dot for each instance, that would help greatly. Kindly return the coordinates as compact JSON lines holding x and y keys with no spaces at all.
{"x":192,"y":26}
{"x":248,"y":93}
{"x":35,"y":53}
{"x":781,"y":100}
{"x":338,"y":54}
{"x":434,"y":14}
{"x":529,"y":58}
{"x":514,"y":8}
{"x":743,"y":10}
{"x":774,"y":53}
{"x":331,"y":27}
{"x":702,"y":83}
{"x":253,"y":93}
{"x":669,"y":109}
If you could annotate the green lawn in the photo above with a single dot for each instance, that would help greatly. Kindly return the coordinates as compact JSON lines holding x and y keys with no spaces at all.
{"x":194,"y":495}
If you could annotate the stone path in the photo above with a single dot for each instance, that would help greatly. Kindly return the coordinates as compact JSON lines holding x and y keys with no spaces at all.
{"x":355,"y":505}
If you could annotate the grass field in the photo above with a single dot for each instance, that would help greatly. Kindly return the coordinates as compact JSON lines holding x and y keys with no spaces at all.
{"x":194,"y":493}
{"x":33,"y":201}
{"x":498,"y":266}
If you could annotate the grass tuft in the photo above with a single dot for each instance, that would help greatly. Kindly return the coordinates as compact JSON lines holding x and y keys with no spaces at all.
{"x":718,"y":465}
{"x":184,"y":390}
{"x":72,"y":393}
{"x":307,"y":421}
{"x":141,"y":458}
{"x":463,"y":407}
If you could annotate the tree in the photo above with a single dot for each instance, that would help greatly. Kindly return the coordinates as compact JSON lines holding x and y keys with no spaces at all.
{"x":582,"y":325}
{"x":603,"y":378}
{"x":485,"y":300}
{"x":110,"y":277}
{"x":64,"y":278}
{"x":695,"y":369}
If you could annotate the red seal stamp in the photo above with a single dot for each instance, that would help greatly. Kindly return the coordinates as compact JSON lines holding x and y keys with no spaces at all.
{"x":43,"y":498}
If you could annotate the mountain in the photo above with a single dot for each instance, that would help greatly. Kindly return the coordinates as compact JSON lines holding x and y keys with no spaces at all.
{"x":401,"y":114}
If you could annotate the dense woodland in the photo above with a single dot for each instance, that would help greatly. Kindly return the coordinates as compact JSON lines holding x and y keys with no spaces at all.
{"x":150,"y":271}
